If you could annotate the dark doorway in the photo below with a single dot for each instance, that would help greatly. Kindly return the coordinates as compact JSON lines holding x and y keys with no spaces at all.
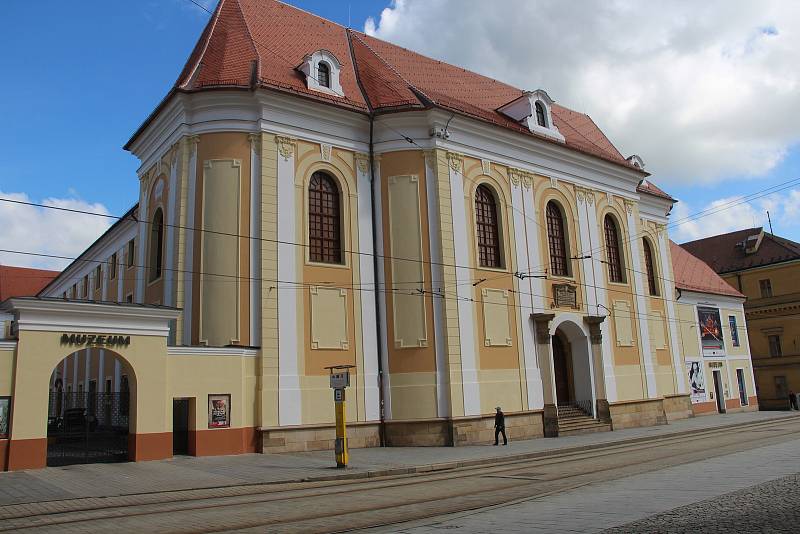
{"x":180,"y":426}
{"x":742,"y":387}
{"x":719,"y":392}
{"x":561,"y":369}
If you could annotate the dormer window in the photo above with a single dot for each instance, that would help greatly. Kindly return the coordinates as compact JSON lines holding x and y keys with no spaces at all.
{"x":541,"y":120}
{"x":533,"y":109}
{"x":322,"y":72}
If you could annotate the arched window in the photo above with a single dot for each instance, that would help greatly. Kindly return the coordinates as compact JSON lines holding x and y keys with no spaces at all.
{"x":488,"y":228}
{"x":324,"y":224}
{"x":155,"y":253}
{"x":613,"y":254}
{"x":541,"y":117}
{"x":650,"y":267}
{"x":557,"y":240}
{"x":323,"y":74}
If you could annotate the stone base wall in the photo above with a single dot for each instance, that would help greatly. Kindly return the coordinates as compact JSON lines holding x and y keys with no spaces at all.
{"x":480,"y":430}
{"x":678,"y":407}
{"x":318,"y":437}
{"x":420,"y":433}
{"x":631,"y":414}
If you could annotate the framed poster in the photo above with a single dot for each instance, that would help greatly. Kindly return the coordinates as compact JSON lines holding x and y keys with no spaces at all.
{"x":5,"y":416}
{"x":710,"y":331}
{"x":697,"y":384}
{"x":219,"y":411}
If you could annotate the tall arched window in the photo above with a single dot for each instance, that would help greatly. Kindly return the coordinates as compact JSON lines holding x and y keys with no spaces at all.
{"x":488,"y":228}
{"x":323,"y":74}
{"x":324,"y":220}
{"x":613,"y":254}
{"x":541,"y":117}
{"x":557,"y":240}
{"x":156,"y":250}
{"x":650,"y":267}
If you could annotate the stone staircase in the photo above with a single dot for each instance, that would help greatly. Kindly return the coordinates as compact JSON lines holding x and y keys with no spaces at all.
{"x":572,"y":420}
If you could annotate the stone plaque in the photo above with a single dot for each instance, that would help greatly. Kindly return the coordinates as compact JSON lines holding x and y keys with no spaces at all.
{"x":565,"y":296}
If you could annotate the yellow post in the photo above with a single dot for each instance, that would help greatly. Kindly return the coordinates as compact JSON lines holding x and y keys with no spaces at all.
{"x":341,"y":429}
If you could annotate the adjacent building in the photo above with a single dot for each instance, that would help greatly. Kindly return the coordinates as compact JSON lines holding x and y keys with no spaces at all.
{"x":310,"y":196}
{"x":766,"y":269}
{"x":17,"y":282}
{"x":713,"y":335}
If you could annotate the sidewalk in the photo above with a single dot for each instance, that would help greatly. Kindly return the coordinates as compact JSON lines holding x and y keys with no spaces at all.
{"x":181,"y":473}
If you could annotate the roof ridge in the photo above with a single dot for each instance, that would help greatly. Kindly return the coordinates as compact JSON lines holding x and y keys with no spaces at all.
{"x":211,"y":26}
{"x":388,"y":66}
{"x":721,"y":235}
{"x":252,"y":39}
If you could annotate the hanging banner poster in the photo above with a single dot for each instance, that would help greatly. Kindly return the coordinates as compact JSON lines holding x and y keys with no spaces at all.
{"x":219,"y":411}
{"x":697,"y":384}
{"x":710,"y":331}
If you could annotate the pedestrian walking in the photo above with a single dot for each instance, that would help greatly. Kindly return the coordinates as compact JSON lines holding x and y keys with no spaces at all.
{"x":792,"y":400}
{"x":500,"y":426}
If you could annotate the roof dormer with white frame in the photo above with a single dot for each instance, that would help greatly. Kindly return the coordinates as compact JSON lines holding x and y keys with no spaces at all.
{"x":322,"y":70}
{"x":533,"y":110}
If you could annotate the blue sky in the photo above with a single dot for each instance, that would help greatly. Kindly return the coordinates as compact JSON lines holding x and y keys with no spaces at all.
{"x":79,"y":78}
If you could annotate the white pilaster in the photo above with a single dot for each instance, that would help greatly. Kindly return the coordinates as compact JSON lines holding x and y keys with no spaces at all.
{"x":369,"y":326}
{"x":437,"y":283}
{"x":522,"y":200}
{"x":121,"y":273}
{"x":289,"y":398}
{"x":672,"y":319}
{"x":466,"y":320}
{"x":188,"y":262}
{"x":168,"y":297}
{"x":141,"y":249}
{"x":641,"y":302}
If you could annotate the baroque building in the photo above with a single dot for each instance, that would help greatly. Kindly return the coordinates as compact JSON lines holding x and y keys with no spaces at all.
{"x":311,"y":196}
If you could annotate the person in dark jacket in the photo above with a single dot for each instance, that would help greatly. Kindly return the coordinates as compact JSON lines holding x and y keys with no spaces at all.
{"x":500,"y":426}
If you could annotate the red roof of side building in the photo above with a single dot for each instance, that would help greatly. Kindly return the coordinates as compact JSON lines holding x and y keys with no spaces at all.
{"x":261,"y":43}
{"x":23,"y":281}
{"x":692,"y":274}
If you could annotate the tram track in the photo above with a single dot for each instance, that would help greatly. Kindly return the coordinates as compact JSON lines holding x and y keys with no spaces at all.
{"x":399,"y":497}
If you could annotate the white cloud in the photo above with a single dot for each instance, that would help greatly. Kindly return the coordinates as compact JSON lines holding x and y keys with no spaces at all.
{"x":729,"y":214}
{"x":47,"y":231}
{"x":699,"y":90}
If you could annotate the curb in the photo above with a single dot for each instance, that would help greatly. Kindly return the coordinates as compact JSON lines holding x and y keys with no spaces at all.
{"x":499,"y":460}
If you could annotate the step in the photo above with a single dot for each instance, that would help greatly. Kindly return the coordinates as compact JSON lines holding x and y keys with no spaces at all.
{"x":600,"y":427}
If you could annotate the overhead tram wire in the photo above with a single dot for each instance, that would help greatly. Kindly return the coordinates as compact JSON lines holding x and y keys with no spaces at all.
{"x":361,"y":253}
{"x":301,"y":285}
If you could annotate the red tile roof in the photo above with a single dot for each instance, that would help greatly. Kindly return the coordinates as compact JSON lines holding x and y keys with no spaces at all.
{"x":23,"y":281}
{"x":260,"y":43}
{"x":692,"y":274}
{"x":725,"y":255}
{"x":646,"y":186}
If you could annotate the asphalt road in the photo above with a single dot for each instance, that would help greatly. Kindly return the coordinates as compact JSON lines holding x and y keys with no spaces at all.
{"x":565,"y":491}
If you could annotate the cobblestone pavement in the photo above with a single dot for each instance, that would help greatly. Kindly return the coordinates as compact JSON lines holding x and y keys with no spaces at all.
{"x":184,"y":473}
{"x":770,"y":507}
{"x":686,"y":498}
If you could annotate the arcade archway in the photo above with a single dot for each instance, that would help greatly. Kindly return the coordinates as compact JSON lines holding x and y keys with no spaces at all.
{"x":572,"y":369}
{"x":90,"y":408}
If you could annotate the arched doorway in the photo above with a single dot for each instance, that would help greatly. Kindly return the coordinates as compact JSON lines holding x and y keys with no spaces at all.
{"x":572,"y":369}
{"x":89,"y":411}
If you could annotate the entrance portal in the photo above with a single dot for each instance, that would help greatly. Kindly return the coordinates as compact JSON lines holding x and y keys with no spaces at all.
{"x":180,"y":426}
{"x":88,"y":424}
{"x":572,"y":371}
{"x":563,"y":372}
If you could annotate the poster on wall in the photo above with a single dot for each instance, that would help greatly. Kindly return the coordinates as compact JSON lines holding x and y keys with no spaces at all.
{"x":219,"y":411}
{"x":697,"y":384}
{"x":5,"y":415}
{"x":710,"y":331}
